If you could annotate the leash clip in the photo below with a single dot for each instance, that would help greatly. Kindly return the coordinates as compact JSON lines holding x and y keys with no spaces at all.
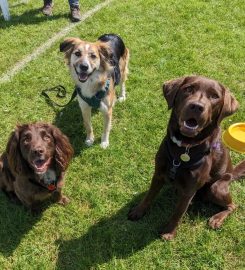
{"x":175,"y":164}
{"x":173,"y":170}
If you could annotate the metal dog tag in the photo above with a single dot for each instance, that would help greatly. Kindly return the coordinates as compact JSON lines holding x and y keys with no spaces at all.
{"x":185,"y":157}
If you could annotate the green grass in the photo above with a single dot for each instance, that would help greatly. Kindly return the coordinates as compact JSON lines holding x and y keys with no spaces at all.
{"x":167,"y":39}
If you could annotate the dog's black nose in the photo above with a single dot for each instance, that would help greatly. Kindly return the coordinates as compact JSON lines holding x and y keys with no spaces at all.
{"x":38,"y":151}
{"x":197,"y":107}
{"x":84,"y":67}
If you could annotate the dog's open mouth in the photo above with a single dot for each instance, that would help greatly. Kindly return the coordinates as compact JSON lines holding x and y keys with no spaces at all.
{"x":83,"y":76}
{"x":191,"y":124}
{"x":190,"y":127}
{"x":41,"y":165}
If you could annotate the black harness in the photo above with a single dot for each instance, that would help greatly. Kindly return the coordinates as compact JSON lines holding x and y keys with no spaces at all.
{"x":95,"y":100}
{"x":60,"y":90}
{"x":196,"y":154}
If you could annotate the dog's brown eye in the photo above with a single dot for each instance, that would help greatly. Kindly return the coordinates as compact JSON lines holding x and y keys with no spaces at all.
{"x":26,"y":139}
{"x":78,"y":54}
{"x":214,"y":96}
{"x":189,"y":89}
{"x":46,"y":138}
{"x":93,"y":56}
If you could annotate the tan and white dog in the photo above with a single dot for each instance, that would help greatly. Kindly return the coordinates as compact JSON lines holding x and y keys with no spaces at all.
{"x":96,"y":69}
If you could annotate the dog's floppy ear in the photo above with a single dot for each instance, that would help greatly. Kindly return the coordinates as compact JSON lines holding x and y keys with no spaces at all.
{"x":105,"y":51}
{"x":68,"y":44}
{"x":106,"y":55}
{"x":14,"y":157}
{"x":170,"y":90}
{"x":67,"y":47}
{"x":63,"y":149}
{"x":230,"y":104}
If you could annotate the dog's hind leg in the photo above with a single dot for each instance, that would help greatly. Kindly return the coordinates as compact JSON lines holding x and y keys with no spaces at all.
{"x":123,"y":64}
{"x":220,"y":195}
{"x":107,"y":127}
{"x":239,"y":171}
{"x":122,"y":96}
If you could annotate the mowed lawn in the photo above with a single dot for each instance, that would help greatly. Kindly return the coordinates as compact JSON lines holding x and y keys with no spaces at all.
{"x":167,"y":39}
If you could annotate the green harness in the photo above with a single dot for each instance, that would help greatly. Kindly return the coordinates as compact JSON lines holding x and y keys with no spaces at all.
{"x":95,"y":100}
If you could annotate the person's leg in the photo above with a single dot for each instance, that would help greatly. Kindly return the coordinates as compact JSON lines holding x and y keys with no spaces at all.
{"x":47,"y":7}
{"x":73,"y":3}
{"x":75,"y":10}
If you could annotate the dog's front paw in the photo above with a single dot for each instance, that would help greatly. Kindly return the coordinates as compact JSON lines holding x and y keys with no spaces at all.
{"x":121,"y":98}
{"x":104,"y":145}
{"x":89,"y":142}
{"x":136,"y":213}
{"x":169,"y":232}
{"x":167,"y":236}
{"x":63,"y":200}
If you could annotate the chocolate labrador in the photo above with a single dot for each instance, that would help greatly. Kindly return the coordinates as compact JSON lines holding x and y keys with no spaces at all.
{"x":192,"y":155}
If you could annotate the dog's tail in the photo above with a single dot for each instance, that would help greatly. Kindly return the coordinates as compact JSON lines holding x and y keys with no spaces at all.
{"x":239,"y":171}
{"x":123,"y":64}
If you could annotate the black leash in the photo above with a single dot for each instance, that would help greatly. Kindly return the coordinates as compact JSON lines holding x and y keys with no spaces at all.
{"x":61,"y":93}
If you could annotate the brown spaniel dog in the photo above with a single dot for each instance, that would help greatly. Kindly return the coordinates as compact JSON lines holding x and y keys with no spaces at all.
{"x":32,"y":167}
{"x":192,"y":155}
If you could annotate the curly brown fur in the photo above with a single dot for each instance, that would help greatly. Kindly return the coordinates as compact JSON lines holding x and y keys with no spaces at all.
{"x":35,"y":154}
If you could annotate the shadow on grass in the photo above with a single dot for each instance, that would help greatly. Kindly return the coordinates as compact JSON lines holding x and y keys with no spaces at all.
{"x":15,"y":222}
{"x":69,"y":121}
{"x":112,"y":237}
{"x":116,"y":237}
{"x":32,"y":16}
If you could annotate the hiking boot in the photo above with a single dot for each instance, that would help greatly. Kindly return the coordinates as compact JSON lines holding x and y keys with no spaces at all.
{"x":47,"y":8}
{"x":75,"y":14}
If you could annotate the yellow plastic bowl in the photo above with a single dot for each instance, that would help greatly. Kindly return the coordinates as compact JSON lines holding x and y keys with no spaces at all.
{"x":234,"y":137}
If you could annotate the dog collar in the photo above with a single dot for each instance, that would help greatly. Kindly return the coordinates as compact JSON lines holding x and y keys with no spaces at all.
{"x":48,"y":181}
{"x":52,"y":186}
{"x":176,"y":141}
{"x":95,"y":100}
{"x":186,"y":159}
{"x":215,"y":145}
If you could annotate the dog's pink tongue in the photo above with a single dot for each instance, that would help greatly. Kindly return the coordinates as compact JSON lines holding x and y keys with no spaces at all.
{"x":83,"y":76}
{"x":39,"y":164}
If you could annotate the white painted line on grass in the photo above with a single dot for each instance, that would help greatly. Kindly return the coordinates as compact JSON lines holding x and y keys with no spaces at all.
{"x":21,"y":64}
{"x":19,"y":3}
